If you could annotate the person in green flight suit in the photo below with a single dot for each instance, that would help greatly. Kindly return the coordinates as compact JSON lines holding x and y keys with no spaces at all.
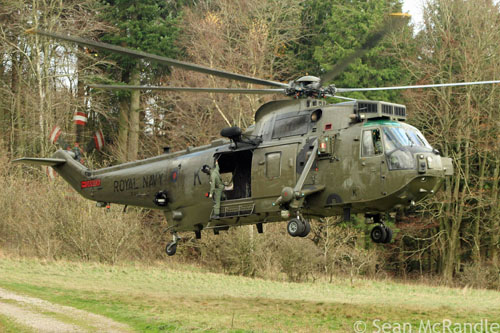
{"x":216,"y":188}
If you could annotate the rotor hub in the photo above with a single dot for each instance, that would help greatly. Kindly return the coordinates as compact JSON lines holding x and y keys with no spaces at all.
{"x":309,"y":86}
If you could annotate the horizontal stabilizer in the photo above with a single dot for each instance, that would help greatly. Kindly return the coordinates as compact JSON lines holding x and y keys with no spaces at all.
{"x":40,"y":161}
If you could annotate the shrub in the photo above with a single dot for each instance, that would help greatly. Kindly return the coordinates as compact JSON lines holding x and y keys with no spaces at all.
{"x":480,"y":276}
{"x":50,"y":220}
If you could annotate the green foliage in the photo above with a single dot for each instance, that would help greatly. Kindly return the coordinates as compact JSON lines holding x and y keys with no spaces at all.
{"x":149,"y":25}
{"x":335,"y":29}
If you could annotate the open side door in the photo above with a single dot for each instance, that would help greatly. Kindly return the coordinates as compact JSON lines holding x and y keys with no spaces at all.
{"x":235,"y":169}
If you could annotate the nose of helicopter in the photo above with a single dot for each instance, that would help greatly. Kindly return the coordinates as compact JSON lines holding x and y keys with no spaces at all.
{"x":431,"y":172}
{"x":434,"y":164}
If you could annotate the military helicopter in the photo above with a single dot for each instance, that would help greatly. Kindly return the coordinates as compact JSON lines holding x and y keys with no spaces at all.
{"x":303,"y":158}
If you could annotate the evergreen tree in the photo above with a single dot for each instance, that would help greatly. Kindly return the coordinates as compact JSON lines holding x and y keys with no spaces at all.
{"x":335,"y":29}
{"x":149,"y":26}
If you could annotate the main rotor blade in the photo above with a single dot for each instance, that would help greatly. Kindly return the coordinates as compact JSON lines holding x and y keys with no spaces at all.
{"x":393,"y":20}
{"x":341,"y":97}
{"x":457,"y":84}
{"x":196,"y":90}
{"x":159,"y":59}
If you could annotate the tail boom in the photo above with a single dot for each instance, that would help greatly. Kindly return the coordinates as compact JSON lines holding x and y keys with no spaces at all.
{"x":64,"y":163}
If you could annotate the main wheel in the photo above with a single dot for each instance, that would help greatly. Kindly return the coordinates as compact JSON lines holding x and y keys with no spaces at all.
{"x":378,"y":234}
{"x":295,"y":227}
{"x":388,"y":237}
{"x":171,"y":248}
{"x":307,"y":228}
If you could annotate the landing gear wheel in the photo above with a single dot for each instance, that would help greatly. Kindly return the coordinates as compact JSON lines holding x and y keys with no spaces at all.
{"x":378,"y":234}
{"x":171,"y":248}
{"x":388,"y":237}
{"x":295,"y":227}
{"x":307,"y":228}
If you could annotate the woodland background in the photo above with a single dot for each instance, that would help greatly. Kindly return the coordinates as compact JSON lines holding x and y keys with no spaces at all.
{"x":453,"y":237}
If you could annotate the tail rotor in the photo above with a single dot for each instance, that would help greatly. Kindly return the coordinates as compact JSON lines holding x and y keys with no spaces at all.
{"x":57,"y":137}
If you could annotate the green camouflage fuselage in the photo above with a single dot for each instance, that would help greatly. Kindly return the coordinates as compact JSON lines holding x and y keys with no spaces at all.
{"x":340,"y":177}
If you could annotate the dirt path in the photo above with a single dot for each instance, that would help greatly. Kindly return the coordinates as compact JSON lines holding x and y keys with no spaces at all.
{"x":43,"y":316}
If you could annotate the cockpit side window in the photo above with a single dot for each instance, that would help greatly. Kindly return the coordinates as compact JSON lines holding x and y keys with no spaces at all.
{"x":372,"y":143}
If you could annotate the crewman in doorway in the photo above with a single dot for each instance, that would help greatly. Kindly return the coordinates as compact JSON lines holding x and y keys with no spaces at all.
{"x":216,"y":188}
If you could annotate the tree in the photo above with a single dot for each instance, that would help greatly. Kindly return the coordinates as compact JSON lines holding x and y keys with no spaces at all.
{"x":334,"y":29}
{"x":253,"y":42}
{"x":41,"y":73}
{"x":459,"y":43}
{"x":148,"y":26}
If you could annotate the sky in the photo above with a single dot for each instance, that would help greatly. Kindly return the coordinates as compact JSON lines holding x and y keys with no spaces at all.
{"x":414,"y":7}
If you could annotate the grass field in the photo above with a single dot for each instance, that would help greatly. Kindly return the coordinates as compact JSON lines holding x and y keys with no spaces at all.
{"x":7,"y":325}
{"x":162,"y":298}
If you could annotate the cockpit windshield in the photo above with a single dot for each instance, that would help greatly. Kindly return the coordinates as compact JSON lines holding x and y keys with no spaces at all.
{"x":400,"y":142}
{"x":403,"y":136}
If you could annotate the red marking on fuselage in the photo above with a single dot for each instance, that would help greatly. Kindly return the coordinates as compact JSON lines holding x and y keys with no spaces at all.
{"x":91,"y":183}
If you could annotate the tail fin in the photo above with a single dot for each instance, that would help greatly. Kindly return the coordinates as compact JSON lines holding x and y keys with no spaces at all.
{"x":64,"y":163}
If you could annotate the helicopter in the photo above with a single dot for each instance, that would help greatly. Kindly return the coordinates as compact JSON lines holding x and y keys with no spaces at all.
{"x":303,"y":158}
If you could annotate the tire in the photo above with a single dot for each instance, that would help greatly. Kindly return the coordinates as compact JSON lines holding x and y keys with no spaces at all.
{"x":388,"y":237}
{"x":295,"y":227}
{"x":307,"y":228}
{"x":171,"y":248}
{"x":378,"y":234}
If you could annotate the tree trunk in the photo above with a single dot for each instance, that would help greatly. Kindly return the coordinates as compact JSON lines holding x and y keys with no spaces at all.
{"x":80,"y":95}
{"x":495,"y":219}
{"x":134,"y":111}
{"x":4,"y":112}
{"x":18,"y":137}
{"x":123,"y":124}
{"x":476,"y":246}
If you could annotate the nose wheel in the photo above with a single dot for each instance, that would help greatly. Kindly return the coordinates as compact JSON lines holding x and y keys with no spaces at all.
{"x":381,"y":234}
{"x":298,"y":227}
